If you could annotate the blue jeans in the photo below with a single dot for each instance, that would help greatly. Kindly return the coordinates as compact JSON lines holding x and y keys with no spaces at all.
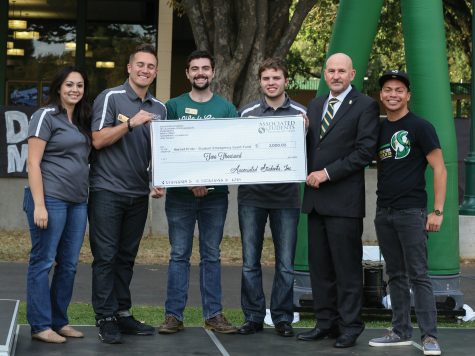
{"x":283,"y":224}
{"x":116,"y":225}
{"x":182,"y":214}
{"x":59,"y":244}
{"x":403,"y":242}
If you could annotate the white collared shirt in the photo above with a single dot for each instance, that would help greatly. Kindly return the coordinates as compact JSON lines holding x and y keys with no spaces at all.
{"x":337,"y":105}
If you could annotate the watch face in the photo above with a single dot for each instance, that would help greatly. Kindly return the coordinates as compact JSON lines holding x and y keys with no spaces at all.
{"x":437,"y":212}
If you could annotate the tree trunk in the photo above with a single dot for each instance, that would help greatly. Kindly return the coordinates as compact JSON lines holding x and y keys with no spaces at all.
{"x":241,"y":34}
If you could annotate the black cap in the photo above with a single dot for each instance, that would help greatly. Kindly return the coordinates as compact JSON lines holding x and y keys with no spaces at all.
{"x":394,"y":74}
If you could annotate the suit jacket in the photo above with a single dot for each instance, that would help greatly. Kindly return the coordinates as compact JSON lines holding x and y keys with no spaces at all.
{"x":345,"y":150}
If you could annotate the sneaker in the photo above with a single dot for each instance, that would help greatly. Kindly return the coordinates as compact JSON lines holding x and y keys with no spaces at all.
{"x":131,"y":326}
{"x":390,"y":339}
{"x":171,"y":325}
{"x":220,"y":325}
{"x":109,"y":332}
{"x":430,"y":346}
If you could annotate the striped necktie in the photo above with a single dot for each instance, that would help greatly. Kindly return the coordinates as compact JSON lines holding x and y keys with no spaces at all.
{"x":328,"y":117}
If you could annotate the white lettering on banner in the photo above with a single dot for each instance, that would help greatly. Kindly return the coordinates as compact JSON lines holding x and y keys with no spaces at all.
{"x":10,"y":118}
{"x":17,"y":161}
{"x":14,"y":135}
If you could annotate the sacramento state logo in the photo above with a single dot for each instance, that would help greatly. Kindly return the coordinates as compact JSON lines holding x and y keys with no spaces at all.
{"x":401,"y":144}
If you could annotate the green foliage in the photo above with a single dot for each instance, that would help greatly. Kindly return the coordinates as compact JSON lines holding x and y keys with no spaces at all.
{"x":307,"y":54}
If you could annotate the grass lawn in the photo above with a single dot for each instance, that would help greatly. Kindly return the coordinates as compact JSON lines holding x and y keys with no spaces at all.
{"x":82,"y":314}
{"x":153,"y":250}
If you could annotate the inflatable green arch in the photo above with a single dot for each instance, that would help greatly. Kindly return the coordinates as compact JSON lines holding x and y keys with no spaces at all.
{"x":426,"y":60}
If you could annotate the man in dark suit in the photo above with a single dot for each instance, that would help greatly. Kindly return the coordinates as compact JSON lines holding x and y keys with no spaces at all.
{"x":341,"y":142}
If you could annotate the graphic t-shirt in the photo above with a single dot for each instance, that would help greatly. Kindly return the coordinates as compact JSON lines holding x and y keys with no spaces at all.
{"x":402,"y":149}
{"x":184,"y":108}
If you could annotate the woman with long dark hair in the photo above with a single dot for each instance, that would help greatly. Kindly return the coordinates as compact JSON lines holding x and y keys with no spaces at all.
{"x":56,"y":202}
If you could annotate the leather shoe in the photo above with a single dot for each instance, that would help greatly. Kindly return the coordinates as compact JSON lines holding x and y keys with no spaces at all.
{"x":250,"y":327}
{"x":317,"y":334}
{"x":284,"y":329}
{"x":346,"y":340}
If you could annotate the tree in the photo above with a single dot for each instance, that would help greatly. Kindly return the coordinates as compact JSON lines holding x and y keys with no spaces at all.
{"x":241,"y":34}
{"x":307,"y":54}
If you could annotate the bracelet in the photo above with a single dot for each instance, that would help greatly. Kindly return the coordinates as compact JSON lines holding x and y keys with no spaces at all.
{"x":129,"y":126}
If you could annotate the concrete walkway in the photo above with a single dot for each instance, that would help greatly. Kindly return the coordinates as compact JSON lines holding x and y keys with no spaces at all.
{"x":149,"y":284}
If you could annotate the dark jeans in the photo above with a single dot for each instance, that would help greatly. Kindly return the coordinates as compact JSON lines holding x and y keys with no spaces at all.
{"x":283,"y":224}
{"x":182,"y":215}
{"x":403,"y":242}
{"x":116,"y":225}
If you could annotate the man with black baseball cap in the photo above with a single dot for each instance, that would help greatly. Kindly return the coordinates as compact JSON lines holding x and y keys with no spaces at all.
{"x":395,"y":74}
{"x":406,"y":143}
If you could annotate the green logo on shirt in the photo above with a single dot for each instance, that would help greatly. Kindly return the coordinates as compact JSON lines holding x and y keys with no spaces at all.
{"x":401,"y":144}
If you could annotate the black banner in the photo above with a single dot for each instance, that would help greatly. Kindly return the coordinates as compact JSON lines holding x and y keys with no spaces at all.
{"x":13,"y":140}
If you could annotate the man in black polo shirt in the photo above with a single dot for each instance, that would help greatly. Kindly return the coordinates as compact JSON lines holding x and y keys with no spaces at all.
{"x":119,"y":192}
{"x":279,"y":202}
{"x":406,"y":144}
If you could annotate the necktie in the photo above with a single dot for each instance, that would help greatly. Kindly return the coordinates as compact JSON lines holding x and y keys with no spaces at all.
{"x":328,"y":117}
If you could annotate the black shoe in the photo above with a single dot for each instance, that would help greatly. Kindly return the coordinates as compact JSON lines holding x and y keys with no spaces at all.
{"x":250,"y":327}
{"x":284,"y":328}
{"x":131,"y":326}
{"x":317,"y":334}
{"x":109,"y":332}
{"x":346,"y":340}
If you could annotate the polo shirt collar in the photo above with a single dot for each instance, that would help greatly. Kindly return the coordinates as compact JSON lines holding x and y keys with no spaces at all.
{"x":133,"y":95}
{"x":285,"y":105}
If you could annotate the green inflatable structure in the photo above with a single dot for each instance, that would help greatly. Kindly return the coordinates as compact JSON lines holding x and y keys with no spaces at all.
{"x":426,"y":59}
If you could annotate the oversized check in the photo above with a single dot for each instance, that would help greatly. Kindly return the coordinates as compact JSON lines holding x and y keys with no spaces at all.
{"x":228,"y":151}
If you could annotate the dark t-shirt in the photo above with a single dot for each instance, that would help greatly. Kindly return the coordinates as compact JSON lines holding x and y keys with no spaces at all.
{"x":271,"y":196}
{"x":402,"y":149}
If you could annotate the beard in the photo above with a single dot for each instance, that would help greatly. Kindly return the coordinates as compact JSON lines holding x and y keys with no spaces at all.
{"x":200,"y":86}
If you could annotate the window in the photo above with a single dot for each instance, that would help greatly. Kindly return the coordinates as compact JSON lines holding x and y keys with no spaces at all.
{"x":37,"y":46}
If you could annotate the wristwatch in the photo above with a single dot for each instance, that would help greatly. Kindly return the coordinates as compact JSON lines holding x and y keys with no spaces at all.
{"x":438,"y":212}
{"x":129,"y":126}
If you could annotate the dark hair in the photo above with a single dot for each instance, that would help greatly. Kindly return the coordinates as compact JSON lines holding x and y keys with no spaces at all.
{"x":82,"y":110}
{"x":274,"y":63}
{"x":147,"y":48}
{"x":199,"y":54}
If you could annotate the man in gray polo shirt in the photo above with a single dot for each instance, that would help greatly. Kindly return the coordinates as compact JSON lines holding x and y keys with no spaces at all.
{"x":279,"y":202}
{"x":119,"y":190}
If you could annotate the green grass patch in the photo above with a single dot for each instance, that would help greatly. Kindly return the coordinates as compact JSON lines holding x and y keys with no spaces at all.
{"x":82,"y":314}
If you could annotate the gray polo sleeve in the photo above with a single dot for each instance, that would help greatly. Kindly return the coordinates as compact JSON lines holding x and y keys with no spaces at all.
{"x":103,"y":111}
{"x":41,"y":125}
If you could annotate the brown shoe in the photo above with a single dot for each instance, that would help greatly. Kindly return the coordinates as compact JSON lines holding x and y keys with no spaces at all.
{"x":171,"y":325}
{"x":69,"y":331}
{"x":50,"y":336}
{"x":220,"y":325}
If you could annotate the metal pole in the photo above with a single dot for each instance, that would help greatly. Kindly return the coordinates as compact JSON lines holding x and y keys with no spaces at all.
{"x":468,"y":203}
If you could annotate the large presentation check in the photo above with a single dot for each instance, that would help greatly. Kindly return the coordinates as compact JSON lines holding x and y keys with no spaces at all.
{"x":228,"y":151}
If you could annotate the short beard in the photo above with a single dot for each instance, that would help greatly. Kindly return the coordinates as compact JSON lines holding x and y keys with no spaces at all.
{"x":202,"y":87}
